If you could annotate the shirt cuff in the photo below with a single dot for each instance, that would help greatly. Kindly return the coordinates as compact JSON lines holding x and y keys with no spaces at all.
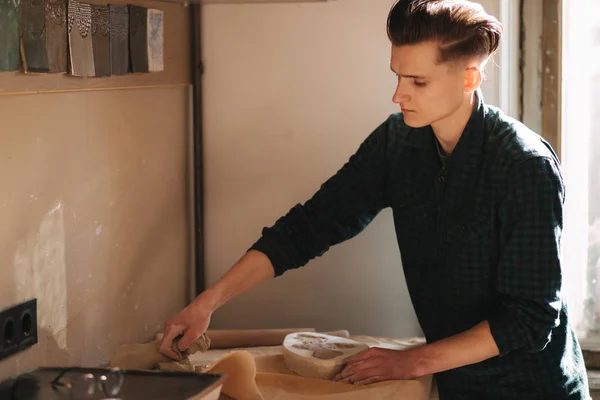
{"x":273,"y":252}
{"x":506,"y":331}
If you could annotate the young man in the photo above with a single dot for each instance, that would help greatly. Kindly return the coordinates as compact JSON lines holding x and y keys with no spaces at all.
{"x":477,"y":201}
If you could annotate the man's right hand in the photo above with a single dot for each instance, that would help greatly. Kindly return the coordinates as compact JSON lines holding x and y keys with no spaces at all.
{"x":191,"y":322}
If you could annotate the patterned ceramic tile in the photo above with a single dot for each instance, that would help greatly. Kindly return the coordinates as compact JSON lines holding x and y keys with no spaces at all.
{"x":138,"y":38}
{"x":33,"y":36}
{"x":101,"y":39}
{"x":81,"y":54}
{"x":56,"y":35}
{"x":119,"y":39}
{"x":155,"y":40}
{"x":9,"y":35}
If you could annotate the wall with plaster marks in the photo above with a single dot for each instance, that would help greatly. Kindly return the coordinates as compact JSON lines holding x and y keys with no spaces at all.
{"x":94,"y":205}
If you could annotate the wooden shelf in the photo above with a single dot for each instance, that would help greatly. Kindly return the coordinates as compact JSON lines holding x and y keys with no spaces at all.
{"x":177,"y":69}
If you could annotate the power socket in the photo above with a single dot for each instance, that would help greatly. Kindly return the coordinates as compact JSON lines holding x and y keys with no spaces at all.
{"x":18,"y":328}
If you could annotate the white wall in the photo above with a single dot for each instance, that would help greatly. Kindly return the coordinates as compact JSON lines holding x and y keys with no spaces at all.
{"x":291,"y":90}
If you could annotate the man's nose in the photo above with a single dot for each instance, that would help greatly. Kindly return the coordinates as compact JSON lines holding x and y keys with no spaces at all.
{"x":400,"y":95}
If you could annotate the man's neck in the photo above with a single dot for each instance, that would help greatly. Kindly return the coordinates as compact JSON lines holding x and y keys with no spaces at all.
{"x":449,"y":130}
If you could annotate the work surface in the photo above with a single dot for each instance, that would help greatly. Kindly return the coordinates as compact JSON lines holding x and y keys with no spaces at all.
{"x":275,"y":381}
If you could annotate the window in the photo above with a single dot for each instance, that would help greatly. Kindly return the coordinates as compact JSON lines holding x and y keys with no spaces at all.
{"x":580,"y":153}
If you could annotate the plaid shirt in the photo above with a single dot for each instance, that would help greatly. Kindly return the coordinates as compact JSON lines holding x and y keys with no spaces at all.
{"x":479,"y":238}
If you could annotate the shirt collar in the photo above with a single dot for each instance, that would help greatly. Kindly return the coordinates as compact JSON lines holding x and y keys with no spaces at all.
{"x":468,"y":150}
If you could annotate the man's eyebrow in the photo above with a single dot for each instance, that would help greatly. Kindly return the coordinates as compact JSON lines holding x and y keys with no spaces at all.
{"x":408,"y":76}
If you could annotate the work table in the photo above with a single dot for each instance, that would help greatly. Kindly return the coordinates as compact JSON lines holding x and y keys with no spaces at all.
{"x":276,"y":381}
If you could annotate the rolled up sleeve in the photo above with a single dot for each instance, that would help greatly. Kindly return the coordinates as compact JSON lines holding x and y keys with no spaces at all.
{"x":343,"y":206}
{"x":529,"y":272}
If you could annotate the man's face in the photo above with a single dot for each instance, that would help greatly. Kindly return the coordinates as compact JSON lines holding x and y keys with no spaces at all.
{"x":427,"y":92}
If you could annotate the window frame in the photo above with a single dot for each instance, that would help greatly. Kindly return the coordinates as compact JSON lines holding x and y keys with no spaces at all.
{"x":552,"y":119}
{"x":551,"y":77}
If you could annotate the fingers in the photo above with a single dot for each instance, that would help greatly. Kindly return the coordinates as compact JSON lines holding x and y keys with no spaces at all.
{"x":355,"y":371}
{"x":169,"y":334}
{"x":365,"y":355}
{"x":183,"y":330}
{"x":371,"y":380}
{"x":188,"y":338}
{"x":365,"y":376}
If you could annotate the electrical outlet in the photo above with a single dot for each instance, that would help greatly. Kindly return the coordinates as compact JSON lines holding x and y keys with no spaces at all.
{"x":18,"y":328}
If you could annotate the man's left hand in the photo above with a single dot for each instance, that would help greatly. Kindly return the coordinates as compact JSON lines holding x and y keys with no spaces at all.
{"x":377,"y":365}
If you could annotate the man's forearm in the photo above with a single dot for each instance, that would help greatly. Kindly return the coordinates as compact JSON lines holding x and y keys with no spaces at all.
{"x":469,"y":347}
{"x":251,"y":270}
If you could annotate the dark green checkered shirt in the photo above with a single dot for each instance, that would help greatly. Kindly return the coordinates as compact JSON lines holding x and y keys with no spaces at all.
{"x":479,"y":240}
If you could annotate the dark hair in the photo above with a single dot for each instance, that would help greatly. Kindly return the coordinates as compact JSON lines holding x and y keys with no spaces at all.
{"x":462,"y":28}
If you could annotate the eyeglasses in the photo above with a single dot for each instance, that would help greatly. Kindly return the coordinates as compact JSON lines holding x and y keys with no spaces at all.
{"x":90,"y":386}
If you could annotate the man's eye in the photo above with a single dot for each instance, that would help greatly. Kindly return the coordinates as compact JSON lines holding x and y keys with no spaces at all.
{"x":417,"y":83}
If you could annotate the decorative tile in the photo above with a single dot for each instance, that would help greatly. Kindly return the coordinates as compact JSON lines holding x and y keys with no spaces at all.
{"x":146,"y":27}
{"x":33,"y":36}
{"x":101,"y":40}
{"x":56,"y":35}
{"x":9,"y":35}
{"x":81,"y":53}
{"x":155,"y":40}
{"x":138,"y":38}
{"x":119,"y":39}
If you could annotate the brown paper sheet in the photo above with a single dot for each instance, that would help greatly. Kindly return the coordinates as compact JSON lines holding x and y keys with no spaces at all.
{"x":276,"y":382}
{"x":260,"y":373}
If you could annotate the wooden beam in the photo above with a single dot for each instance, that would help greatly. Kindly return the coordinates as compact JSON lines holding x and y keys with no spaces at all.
{"x":197,"y":72}
{"x":552,"y":72}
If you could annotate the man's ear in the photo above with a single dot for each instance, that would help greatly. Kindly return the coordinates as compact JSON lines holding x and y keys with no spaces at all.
{"x":473,"y":79}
